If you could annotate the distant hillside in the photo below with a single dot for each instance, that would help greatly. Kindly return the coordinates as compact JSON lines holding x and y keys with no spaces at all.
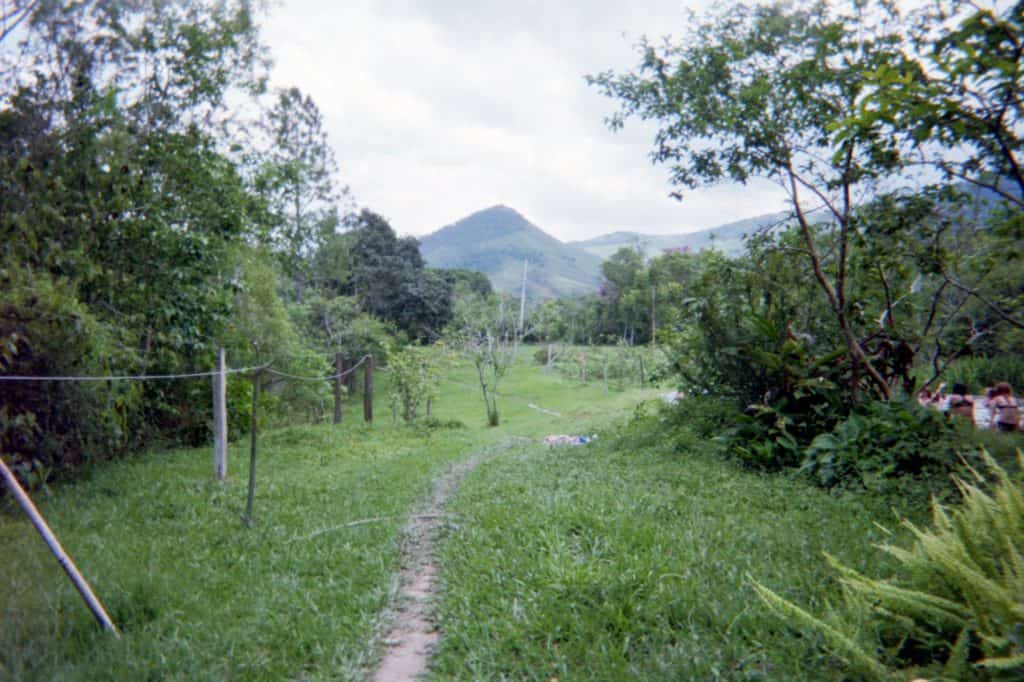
{"x":495,"y":241}
{"x":727,"y":238}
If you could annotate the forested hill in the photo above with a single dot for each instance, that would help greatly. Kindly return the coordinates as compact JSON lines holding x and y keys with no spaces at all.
{"x":727,"y":238}
{"x":496,"y":241}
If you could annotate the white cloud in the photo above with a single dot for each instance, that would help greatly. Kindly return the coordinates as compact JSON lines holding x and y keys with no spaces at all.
{"x":440,"y":108}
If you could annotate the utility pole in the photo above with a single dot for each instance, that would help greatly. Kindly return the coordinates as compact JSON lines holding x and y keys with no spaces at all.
{"x":522,"y":299}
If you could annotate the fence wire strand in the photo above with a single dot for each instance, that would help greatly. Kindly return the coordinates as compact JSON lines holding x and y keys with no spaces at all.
{"x":330,"y":377}
{"x":127,"y":377}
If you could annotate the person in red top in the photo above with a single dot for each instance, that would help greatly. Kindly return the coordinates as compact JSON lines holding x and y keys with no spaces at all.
{"x":1005,"y":408}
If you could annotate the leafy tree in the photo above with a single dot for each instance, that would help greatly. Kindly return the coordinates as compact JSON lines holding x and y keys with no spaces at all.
{"x":622,"y":272}
{"x":470,"y":280}
{"x":416,"y":377}
{"x":334,"y":264}
{"x":296,"y":177}
{"x":120,"y":208}
{"x":952,"y":100}
{"x":391,"y":282}
{"x":957,"y":87}
{"x":487,"y":337}
{"x":755,"y":91}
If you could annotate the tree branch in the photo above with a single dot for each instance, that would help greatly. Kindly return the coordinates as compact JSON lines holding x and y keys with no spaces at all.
{"x":991,"y":306}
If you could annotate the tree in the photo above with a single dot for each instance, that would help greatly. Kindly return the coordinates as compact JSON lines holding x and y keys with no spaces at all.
{"x":334,"y":264}
{"x":756,"y":91}
{"x":956,"y":87}
{"x":392,"y":283}
{"x":119,"y":213}
{"x":296,"y":176}
{"x":621,"y":272}
{"x":487,"y":337}
{"x":13,"y":14}
{"x":952,"y":100}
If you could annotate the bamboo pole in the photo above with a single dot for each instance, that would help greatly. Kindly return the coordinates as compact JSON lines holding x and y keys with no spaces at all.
{"x":58,"y":552}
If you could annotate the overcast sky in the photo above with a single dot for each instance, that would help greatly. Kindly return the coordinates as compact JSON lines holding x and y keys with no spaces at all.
{"x":439,"y":108}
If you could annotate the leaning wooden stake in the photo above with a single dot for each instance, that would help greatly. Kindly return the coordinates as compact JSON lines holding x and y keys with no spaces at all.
{"x":220,"y":420}
{"x":252,"y":447}
{"x":368,"y":390}
{"x":54,"y":544}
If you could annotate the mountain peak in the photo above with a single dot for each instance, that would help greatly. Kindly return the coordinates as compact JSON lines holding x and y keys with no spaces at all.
{"x":496,"y":241}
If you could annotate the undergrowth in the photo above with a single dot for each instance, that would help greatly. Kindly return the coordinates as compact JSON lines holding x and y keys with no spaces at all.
{"x":952,"y":608}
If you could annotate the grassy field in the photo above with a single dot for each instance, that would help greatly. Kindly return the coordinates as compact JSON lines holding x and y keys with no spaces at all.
{"x":629,"y":558}
{"x":199,"y":596}
{"x":623,"y":561}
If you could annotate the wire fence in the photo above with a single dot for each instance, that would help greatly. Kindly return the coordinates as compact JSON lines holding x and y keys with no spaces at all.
{"x":187,"y":375}
{"x":330,"y":377}
{"x":128,"y":377}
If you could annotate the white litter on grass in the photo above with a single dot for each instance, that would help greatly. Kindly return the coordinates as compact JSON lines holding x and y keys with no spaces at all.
{"x":671,"y":398}
{"x":552,"y":441}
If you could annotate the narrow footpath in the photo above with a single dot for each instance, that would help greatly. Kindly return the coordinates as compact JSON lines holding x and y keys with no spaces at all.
{"x":410,"y":633}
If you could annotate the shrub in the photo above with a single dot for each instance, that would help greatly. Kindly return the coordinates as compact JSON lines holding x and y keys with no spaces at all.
{"x":435,"y":423}
{"x":706,"y":416}
{"x":955,"y":611}
{"x":773,"y":436}
{"x":415,"y":375}
{"x":877,"y":446}
{"x":50,"y":427}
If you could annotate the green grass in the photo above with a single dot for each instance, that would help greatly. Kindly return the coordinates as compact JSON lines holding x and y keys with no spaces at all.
{"x":629,"y":558}
{"x":200,"y":597}
{"x":616,"y":562}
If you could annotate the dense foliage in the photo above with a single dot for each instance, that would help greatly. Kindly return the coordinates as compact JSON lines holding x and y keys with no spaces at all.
{"x":144,"y":224}
{"x":865,"y":292}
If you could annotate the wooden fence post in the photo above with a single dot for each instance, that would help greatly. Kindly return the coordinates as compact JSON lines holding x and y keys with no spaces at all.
{"x":350,"y":379}
{"x":368,"y":390}
{"x":54,"y":544}
{"x":339,"y":367}
{"x":252,"y":446}
{"x":220,"y":420}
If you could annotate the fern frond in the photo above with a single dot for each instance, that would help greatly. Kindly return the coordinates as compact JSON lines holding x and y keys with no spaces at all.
{"x":845,"y":646}
{"x":1003,"y":664}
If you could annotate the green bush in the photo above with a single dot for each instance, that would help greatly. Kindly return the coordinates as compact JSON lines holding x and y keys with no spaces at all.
{"x":49,"y":427}
{"x":955,"y":610}
{"x":771,"y":437}
{"x":434,"y":423}
{"x":885,"y":447}
{"x":706,"y":416}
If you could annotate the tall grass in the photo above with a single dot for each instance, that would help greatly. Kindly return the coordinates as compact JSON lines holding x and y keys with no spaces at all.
{"x":627,"y":560}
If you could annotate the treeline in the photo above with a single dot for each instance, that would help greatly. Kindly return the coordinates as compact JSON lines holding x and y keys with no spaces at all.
{"x":158,"y":202}
{"x":867,"y":293}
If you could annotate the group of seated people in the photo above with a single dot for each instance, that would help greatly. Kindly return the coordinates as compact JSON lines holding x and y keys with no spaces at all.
{"x":1003,"y":409}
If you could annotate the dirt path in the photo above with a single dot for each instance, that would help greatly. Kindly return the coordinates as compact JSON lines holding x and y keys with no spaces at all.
{"x":410,"y":633}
